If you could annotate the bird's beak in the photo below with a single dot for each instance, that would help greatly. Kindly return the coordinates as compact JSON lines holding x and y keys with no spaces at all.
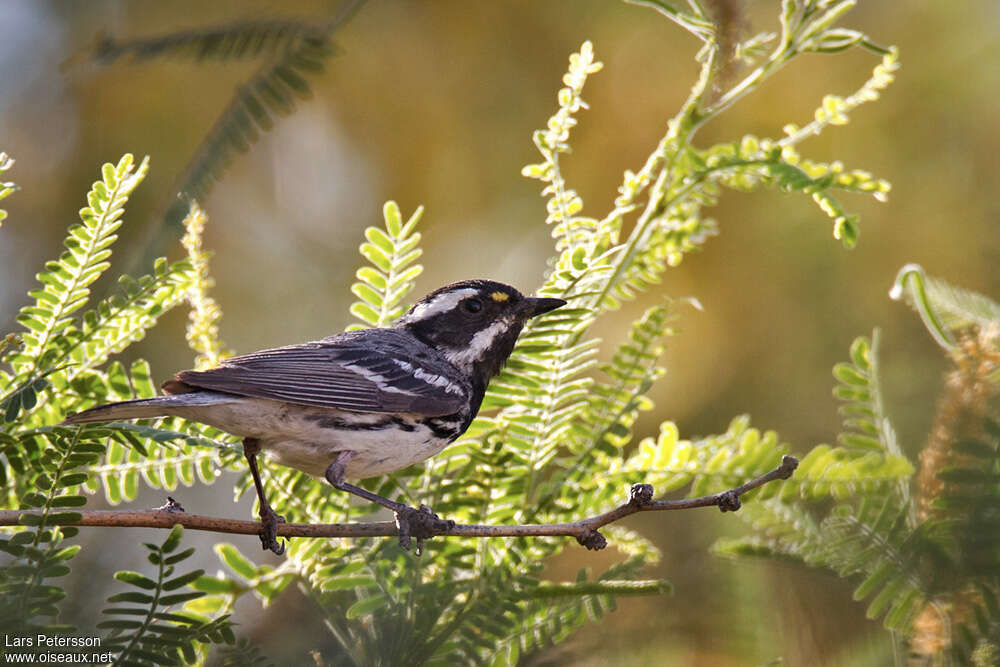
{"x":536,"y":305}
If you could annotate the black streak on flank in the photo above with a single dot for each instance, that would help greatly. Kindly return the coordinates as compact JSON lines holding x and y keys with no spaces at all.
{"x":341,"y":424}
{"x":404,"y":425}
{"x":445,"y":430}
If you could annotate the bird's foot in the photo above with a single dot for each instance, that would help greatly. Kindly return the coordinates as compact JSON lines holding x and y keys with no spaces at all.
{"x":419,"y":524}
{"x":269,"y":520}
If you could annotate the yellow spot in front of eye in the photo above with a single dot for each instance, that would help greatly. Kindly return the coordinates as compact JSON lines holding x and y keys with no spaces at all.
{"x":500,"y":296}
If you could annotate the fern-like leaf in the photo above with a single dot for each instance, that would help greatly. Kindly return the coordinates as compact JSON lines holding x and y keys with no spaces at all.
{"x":564,"y":204}
{"x":392,"y":253}
{"x":692,"y":18}
{"x":28,"y":594}
{"x":781,"y":530}
{"x":65,"y":283}
{"x":144,"y":621}
{"x":876,"y":541}
{"x":271,"y":91}
{"x":203,"y":320}
{"x":239,"y":40}
{"x":944,"y":308}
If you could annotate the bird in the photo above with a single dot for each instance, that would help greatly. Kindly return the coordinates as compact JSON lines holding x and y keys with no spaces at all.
{"x":355,"y":404}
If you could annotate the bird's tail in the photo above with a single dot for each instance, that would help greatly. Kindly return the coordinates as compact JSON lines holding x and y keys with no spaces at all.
{"x":161,"y":406}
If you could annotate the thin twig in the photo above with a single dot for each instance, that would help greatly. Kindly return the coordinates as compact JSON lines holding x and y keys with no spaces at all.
{"x":585,"y":530}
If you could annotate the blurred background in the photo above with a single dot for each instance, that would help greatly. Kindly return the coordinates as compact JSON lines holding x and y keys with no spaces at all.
{"x":434,"y":103}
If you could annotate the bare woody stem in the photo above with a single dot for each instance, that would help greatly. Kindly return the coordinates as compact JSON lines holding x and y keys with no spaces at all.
{"x":585,"y":530}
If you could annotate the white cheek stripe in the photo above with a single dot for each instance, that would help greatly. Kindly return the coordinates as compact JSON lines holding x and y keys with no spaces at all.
{"x":429,"y":378}
{"x":479,"y":344}
{"x":441,"y":303}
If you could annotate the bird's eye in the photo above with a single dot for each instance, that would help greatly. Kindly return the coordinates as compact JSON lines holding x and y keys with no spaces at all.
{"x":472,"y":305}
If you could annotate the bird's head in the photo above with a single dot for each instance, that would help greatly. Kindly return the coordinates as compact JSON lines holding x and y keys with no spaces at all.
{"x":474,"y":323}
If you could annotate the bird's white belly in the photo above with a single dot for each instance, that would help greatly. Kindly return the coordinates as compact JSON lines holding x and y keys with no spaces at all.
{"x":310,"y":438}
{"x":375,"y":452}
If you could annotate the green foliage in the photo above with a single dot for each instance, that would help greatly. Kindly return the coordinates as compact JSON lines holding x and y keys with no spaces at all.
{"x":203,"y":320}
{"x":242,"y":654}
{"x":62,"y":350}
{"x":243,"y":576}
{"x":272,"y":91}
{"x":806,"y":26}
{"x":54,"y":370}
{"x":968,"y":537}
{"x":65,"y":283}
{"x":291,"y":53}
{"x":6,"y":187}
{"x":871,"y":530}
{"x":54,"y":367}
{"x":945,"y":309}
{"x":382,"y":286}
{"x":553,"y":441}
{"x":242,"y":39}
{"x":935,"y":557}
{"x":465,"y":602}
{"x":28,"y":594}
{"x":144,"y":624}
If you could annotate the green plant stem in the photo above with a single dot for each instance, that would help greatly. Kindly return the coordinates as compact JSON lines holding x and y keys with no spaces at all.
{"x":684,"y":123}
{"x":37,"y":575}
{"x":141,"y":631}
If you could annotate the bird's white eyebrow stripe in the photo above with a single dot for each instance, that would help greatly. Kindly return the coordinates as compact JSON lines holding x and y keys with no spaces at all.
{"x":441,"y":303}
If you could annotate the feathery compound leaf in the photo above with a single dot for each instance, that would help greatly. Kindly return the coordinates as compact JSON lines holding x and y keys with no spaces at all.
{"x":945,"y":309}
{"x":843,"y":472}
{"x":834,"y":109}
{"x":183,"y":455}
{"x":549,"y":409}
{"x":694,"y":20}
{"x":242,"y":39}
{"x":65,"y":366}
{"x":65,"y":283}
{"x":867,"y":427}
{"x":273,"y":90}
{"x":392,"y":253}
{"x":709,"y":464}
{"x":964,"y":524}
{"x":781,"y":530}
{"x":109,"y":328}
{"x":28,"y":599}
{"x":117,"y":322}
{"x":564,"y":203}
{"x":554,"y":445}
{"x":150,"y":632}
{"x":752,"y":163}
{"x":203,"y":320}
{"x":293,"y":51}
{"x":876,"y":541}
{"x":242,"y":654}
{"x":611,"y":407}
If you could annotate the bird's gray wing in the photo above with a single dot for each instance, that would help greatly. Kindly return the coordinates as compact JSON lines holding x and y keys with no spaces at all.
{"x":357,"y":373}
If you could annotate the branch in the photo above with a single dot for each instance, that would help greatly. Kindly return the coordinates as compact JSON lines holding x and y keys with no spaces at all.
{"x":585,"y":530}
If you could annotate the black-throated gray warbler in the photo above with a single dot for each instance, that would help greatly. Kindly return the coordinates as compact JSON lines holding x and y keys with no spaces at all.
{"x":356,"y":404}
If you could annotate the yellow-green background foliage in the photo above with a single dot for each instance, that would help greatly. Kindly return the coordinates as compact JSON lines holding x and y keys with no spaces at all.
{"x":434,"y":103}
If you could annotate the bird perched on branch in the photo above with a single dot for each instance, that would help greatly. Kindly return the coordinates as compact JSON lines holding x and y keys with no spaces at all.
{"x":357,"y":404}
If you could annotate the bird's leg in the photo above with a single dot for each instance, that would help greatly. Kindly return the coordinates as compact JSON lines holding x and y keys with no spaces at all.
{"x":413,"y":523}
{"x":269,"y":519}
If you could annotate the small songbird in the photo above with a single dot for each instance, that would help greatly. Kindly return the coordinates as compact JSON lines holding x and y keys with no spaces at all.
{"x":356,"y":404}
